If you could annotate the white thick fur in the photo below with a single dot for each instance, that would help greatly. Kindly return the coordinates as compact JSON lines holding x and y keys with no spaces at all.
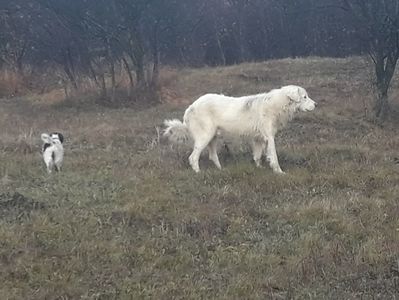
{"x":257,"y":116}
{"x":53,"y":155}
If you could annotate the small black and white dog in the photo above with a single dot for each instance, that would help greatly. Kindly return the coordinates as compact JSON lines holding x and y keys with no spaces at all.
{"x":53,"y":150}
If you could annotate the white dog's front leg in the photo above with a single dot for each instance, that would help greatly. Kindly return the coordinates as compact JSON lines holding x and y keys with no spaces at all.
{"x":272,"y":155}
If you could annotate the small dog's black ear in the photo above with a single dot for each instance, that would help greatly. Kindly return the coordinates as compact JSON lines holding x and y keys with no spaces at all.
{"x":61,"y":138}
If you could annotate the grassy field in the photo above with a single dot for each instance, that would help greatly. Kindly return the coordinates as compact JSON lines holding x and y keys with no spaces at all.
{"x":128,"y":218}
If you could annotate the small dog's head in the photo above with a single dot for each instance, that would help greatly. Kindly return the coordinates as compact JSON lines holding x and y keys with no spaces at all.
{"x":56,"y":136}
{"x":52,"y":138}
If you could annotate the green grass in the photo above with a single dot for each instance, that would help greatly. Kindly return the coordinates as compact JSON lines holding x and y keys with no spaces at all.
{"x":127,"y":218}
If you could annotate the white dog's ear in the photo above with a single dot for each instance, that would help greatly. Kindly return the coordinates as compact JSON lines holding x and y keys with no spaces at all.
{"x":294,"y":94}
{"x":46,"y":138}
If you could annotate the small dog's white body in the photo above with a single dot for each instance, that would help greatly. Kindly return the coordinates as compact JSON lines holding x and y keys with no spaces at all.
{"x":53,"y":151}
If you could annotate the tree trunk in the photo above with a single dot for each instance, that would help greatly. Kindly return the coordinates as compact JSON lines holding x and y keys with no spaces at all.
{"x":138,"y":62}
{"x":19,"y":63}
{"x":111,"y":69}
{"x":240,"y":37}
{"x":69,"y":69}
{"x":218,"y":41}
{"x":113,"y":81}
{"x":71,"y":77}
{"x":129,"y":74}
{"x":137,"y":55}
{"x":220,"y":48}
{"x":155,"y":71}
{"x":156,"y":58}
{"x":381,"y":106}
{"x":93,"y":74}
{"x":384,"y":70}
{"x":103,"y":86}
{"x":140,"y":74}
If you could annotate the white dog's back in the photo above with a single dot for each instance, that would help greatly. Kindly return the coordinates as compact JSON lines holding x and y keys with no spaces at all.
{"x":236,"y":115}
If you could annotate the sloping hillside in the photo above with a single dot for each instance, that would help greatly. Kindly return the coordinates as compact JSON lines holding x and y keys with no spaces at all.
{"x":128,"y":219}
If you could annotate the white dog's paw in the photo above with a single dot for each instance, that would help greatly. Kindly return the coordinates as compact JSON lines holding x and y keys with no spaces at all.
{"x":258,"y":164}
{"x":279,"y":172}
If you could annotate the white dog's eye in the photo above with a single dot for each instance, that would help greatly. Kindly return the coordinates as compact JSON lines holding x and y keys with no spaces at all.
{"x":304,"y":96}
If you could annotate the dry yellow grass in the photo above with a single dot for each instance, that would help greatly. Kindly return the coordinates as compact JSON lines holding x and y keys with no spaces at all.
{"x":128,"y":219}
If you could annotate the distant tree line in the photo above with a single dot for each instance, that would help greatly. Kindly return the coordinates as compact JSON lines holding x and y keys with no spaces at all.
{"x":86,"y":35}
{"x":97,"y":37}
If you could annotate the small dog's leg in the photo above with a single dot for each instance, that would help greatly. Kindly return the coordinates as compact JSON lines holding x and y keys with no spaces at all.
{"x":58,"y":166}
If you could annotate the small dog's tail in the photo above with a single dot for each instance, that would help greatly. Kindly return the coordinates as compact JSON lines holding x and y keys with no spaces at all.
{"x":176,"y":131}
{"x":46,"y":138}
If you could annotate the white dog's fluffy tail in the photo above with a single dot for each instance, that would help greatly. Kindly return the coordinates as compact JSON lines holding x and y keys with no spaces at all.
{"x":176,"y":131}
{"x":46,"y":138}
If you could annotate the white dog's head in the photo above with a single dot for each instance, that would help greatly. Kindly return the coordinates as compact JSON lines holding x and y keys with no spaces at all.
{"x":300,"y":97}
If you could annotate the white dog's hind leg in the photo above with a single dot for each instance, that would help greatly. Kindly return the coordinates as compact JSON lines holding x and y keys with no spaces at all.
{"x":199,"y":145}
{"x":213,"y":155}
{"x":257,"y":151}
{"x":195,"y":155}
{"x":272,"y":155}
{"x":202,"y":133}
{"x":194,"y":158}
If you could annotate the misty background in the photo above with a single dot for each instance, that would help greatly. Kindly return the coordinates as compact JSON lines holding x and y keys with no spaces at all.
{"x":99,"y":38}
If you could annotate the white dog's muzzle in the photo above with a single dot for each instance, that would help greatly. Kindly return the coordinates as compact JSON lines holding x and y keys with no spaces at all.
{"x":309,"y":105}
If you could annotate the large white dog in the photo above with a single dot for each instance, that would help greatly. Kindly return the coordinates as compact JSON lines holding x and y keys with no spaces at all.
{"x":258,"y":116}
